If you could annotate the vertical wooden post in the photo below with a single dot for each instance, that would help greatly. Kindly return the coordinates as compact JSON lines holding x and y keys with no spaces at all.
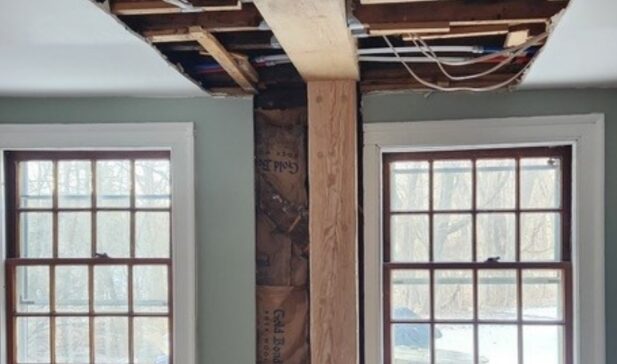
{"x":332,"y":115}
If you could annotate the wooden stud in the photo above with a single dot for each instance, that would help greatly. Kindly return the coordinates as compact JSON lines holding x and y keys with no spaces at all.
{"x":315,"y":36}
{"x":225,"y":59}
{"x":333,"y":214}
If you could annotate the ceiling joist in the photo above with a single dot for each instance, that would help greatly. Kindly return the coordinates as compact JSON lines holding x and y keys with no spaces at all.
{"x":315,"y":36}
{"x":247,"y":18}
{"x":153,"y":7}
{"x":458,"y":12}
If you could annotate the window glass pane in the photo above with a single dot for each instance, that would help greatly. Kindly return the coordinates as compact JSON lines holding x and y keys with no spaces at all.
{"x":496,"y":237}
{"x":113,"y":233}
{"x":74,"y":184}
{"x":36,"y":184}
{"x":498,"y":344}
{"x":150,"y":288}
{"x":540,"y":237}
{"x":497,"y":294}
{"x":543,"y":344}
{"x":71,"y":288}
{"x":152,"y":232}
{"x":411,"y":343}
{"x":409,"y":238}
{"x":32,"y":288}
{"x":35,"y":235}
{"x":111,"y":288}
{"x":454,"y":344}
{"x":453,"y":294}
{"x":32,"y":339}
{"x":452,"y":185}
{"x":496,"y":183}
{"x":74,"y":235}
{"x":151,"y":338}
{"x":152,"y":183}
{"x":411,"y":298}
{"x":540,"y":183}
{"x":543,"y":295}
{"x":452,"y":238}
{"x":113,"y":183}
{"x":111,"y":335}
{"x":72,"y":340}
{"x":409,"y":186}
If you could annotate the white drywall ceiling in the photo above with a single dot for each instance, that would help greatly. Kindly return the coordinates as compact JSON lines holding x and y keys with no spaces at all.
{"x":582,"y":52}
{"x":73,"y":48}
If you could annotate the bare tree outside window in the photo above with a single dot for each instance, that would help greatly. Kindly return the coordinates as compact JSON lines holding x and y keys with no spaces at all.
{"x":477,"y":257}
{"x":89,"y":257}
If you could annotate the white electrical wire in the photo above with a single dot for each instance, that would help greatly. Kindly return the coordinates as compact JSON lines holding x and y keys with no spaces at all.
{"x":454,"y":89}
{"x":506,"y":52}
{"x":439,"y":61}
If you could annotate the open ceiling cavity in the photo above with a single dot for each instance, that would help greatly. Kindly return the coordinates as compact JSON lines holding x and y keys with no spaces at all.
{"x":230,"y":48}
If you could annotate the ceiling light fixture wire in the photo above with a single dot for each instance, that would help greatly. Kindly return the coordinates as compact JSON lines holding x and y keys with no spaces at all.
{"x":454,"y":89}
{"x":514,"y":52}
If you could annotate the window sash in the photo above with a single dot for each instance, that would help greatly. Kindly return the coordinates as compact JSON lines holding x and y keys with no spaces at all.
{"x":14,"y":260}
{"x":564,"y":264}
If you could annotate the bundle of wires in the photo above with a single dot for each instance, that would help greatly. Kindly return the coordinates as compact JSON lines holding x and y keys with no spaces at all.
{"x":508,"y":55}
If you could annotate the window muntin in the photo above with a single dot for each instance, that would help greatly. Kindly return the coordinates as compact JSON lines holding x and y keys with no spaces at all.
{"x":477,"y":261}
{"x":89,"y":257}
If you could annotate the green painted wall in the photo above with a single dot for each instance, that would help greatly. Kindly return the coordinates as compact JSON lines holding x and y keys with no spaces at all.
{"x":225,"y":193}
{"x":225,"y":203}
{"x":417,"y":107}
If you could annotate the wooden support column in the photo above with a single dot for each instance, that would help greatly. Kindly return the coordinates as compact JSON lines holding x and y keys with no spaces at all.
{"x":333,"y":230}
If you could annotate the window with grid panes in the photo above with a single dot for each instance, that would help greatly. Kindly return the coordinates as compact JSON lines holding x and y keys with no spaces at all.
{"x":89,"y":257}
{"x":477,"y":264}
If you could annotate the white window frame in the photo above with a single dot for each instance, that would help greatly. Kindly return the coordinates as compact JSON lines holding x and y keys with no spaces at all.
{"x":178,"y":138}
{"x":585,"y":133}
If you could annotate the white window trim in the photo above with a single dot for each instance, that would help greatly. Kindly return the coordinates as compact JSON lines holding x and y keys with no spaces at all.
{"x":175,"y":137}
{"x":584,"y":132}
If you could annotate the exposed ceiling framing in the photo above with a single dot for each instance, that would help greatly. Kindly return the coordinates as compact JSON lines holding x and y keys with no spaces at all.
{"x":239,"y":47}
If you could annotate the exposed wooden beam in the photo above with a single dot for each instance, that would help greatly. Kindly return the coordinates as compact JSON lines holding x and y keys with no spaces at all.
{"x":369,"y":2}
{"x":248,"y":18}
{"x":466,"y":32}
{"x":151,"y":7}
{"x":460,"y":12}
{"x":333,"y":216}
{"x":420,"y":28}
{"x":213,"y":3}
{"x":315,"y":36}
{"x":241,"y":71}
{"x":225,"y":59}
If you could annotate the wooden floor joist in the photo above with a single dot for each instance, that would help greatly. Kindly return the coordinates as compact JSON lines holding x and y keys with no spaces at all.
{"x":460,"y":12}
{"x":315,"y":36}
{"x":153,"y":7}
{"x":248,"y":18}
{"x":241,"y":72}
{"x":333,"y":215}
